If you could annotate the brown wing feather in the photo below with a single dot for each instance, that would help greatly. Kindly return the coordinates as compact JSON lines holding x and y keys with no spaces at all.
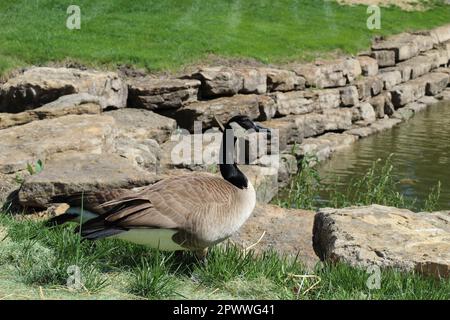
{"x":171,"y":203}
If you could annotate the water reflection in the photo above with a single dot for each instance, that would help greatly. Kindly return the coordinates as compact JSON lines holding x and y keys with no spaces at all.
{"x":421,"y":151}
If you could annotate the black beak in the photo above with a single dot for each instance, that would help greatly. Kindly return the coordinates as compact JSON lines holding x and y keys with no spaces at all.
{"x":259,"y":128}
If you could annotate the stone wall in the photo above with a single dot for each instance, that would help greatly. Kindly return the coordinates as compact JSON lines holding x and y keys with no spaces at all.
{"x":97,"y":121}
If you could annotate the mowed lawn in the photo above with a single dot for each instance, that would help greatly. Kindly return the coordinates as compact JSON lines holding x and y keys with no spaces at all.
{"x":166,"y":35}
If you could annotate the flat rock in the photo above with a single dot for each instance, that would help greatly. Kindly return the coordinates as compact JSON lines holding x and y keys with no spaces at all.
{"x":408,"y":92}
{"x":139,"y":124}
{"x":254,"y":106}
{"x":263,"y":179}
{"x":253,"y":80}
{"x":391,"y":79}
{"x":325,"y":145}
{"x":435,"y":83}
{"x":76,"y":173}
{"x":349,"y":96}
{"x":313,"y":124}
{"x":329,"y":74}
{"x":369,"y":66}
{"x":287,"y":231}
{"x":154,"y":94}
{"x":73,"y":104}
{"x":384,"y":236}
{"x":39,"y":140}
{"x":40,"y":85}
{"x":294,"y":102}
{"x":385,"y":58}
{"x":283,"y":80}
{"x":375,"y":127}
{"x":218,"y":81}
{"x":369,"y":86}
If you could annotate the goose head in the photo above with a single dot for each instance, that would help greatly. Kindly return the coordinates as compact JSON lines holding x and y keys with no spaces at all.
{"x":228,"y":166}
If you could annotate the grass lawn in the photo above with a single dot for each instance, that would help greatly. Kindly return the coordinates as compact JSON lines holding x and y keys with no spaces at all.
{"x":34,"y":264}
{"x":166,"y":35}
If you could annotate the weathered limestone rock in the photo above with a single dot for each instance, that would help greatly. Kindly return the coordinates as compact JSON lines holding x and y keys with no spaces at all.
{"x":144,"y":153}
{"x":439,"y":34}
{"x":378,"y":126}
{"x":378,"y":103}
{"x":293,"y":102}
{"x":403,"y":114}
{"x":428,"y":100}
{"x":192,"y":151}
{"x":330,"y":120}
{"x":435,"y":82}
{"x":384,"y":236}
{"x":76,"y":173}
{"x":415,"y":67}
{"x":404,"y":45}
{"x":219,"y":81}
{"x":323,"y":146}
{"x":42,"y":139}
{"x":416,"y":106}
{"x":385,"y":58}
{"x":369,"y":66}
{"x":139,"y":124}
{"x":263,"y":179}
{"x":288,"y":167}
{"x":288,"y":132}
{"x":325,"y":98}
{"x":349,"y":96}
{"x":391,"y":79}
{"x":369,"y":86}
{"x":283,"y":80}
{"x":254,"y":106}
{"x":8,"y":185}
{"x":276,"y":224}
{"x":438,"y":57}
{"x":408,"y":92}
{"x":366,"y":112}
{"x":153,"y":94}
{"x":444,"y":95}
{"x":81,"y":103}
{"x":253,"y":80}
{"x":38,"y":86}
{"x":329,"y":74}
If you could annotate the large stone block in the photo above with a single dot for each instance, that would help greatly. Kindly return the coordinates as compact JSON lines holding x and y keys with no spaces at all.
{"x":40,"y":85}
{"x":40,"y":140}
{"x":369,"y":66}
{"x":284,"y":80}
{"x":329,"y":74}
{"x":219,"y":81}
{"x":376,"y":236}
{"x":254,"y":106}
{"x":153,"y":94}
{"x":390,"y":78}
{"x":77,"y":173}
{"x":139,"y":124}
{"x":385,"y":58}
{"x":73,"y":104}
{"x":293,"y":102}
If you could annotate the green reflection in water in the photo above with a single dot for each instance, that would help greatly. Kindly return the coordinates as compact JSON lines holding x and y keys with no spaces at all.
{"x":421,"y":156}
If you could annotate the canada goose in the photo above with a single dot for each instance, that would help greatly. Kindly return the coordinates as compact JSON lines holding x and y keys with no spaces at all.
{"x":189,"y":212}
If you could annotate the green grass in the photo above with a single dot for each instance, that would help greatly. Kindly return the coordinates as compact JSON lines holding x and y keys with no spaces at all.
{"x":34,"y":263}
{"x":307,"y":190}
{"x":167,"y":35}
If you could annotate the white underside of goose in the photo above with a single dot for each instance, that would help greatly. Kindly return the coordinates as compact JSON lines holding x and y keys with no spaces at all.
{"x":154,"y":238}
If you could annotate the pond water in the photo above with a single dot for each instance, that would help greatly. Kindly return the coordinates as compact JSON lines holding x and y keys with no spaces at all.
{"x":421,"y":156}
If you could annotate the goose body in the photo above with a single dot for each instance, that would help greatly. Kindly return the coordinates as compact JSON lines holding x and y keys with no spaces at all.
{"x":189,"y":212}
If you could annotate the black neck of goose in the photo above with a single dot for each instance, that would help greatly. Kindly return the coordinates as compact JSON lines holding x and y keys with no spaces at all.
{"x":228,"y":166}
